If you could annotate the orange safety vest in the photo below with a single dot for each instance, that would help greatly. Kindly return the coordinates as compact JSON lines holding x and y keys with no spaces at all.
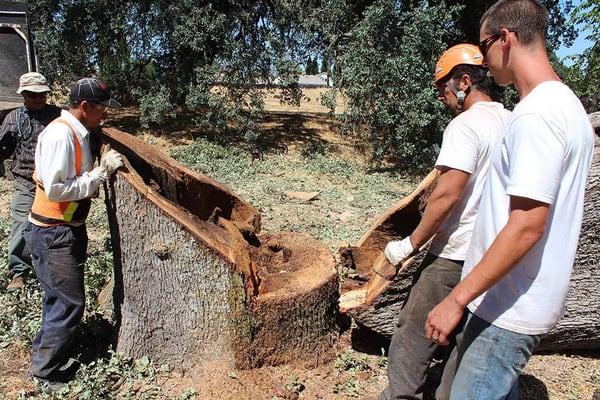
{"x":50,"y":212}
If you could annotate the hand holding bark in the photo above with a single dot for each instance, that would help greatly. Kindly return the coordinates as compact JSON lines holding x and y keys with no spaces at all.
{"x":110,"y":160}
{"x":398,"y":250}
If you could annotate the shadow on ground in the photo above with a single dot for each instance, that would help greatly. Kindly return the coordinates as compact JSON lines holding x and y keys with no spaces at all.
{"x":531,"y":388}
{"x":95,"y":339}
{"x":278,"y":130}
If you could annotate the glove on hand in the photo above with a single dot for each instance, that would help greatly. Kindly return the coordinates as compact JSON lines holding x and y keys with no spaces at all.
{"x":397,"y":250}
{"x":110,"y":160}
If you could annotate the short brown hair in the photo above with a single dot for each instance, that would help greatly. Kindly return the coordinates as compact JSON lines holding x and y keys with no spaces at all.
{"x":528,"y":18}
{"x":478,"y":75}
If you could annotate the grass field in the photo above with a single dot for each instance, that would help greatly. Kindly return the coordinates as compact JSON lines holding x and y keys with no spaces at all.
{"x":350,"y":196}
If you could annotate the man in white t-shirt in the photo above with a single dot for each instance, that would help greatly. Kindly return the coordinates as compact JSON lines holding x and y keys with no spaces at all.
{"x":463,"y":162}
{"x":516,"y":274}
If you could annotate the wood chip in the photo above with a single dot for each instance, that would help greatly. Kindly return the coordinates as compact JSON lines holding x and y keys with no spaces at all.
{"x":304,"y":196}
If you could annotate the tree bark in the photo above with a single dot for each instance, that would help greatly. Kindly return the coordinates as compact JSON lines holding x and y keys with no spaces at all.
{"x":580,"y":326}
{"x":578,"y":329}
{"x":196,"y":281}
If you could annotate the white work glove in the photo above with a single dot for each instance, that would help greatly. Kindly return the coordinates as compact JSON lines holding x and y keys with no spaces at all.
{"x":110,"y":160}
{"x":397,"y":250}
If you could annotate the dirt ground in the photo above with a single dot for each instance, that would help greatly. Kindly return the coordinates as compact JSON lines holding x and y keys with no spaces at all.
{"x":358,"y":370}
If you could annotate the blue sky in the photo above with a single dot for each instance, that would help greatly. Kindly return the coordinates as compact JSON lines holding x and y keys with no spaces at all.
{"x":580,"y":44}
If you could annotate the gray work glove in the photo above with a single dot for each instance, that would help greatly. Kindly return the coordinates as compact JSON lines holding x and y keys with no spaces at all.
{"x":110,"y":161}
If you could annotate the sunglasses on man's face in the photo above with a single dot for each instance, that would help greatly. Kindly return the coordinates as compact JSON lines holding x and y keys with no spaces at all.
{"x":34,"y":95}
{"x":485,"y":44}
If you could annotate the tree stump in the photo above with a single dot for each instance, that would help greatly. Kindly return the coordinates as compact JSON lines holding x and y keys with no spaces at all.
{"x":195,"y":280}
{"x":578,"y":329}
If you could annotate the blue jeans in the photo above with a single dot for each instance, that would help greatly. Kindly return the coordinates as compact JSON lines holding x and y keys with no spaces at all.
{"x":59,"y":255}
{"x":490,"y":360}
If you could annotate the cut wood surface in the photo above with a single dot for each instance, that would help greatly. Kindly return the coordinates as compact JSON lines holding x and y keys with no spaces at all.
{"x":196,"y":281}
{"x":578,"y":329}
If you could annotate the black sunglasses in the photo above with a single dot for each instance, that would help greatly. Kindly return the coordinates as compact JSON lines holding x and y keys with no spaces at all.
{"x":34,"y":95}
{"x":486,"y":43}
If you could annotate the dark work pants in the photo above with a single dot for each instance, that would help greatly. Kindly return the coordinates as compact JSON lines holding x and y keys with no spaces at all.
{"x":19,"y":260}
{"x":410,"y":351}
{"x":58,"y":254}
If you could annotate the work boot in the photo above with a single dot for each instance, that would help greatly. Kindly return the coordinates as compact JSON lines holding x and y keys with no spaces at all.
{"x":17,"y":283}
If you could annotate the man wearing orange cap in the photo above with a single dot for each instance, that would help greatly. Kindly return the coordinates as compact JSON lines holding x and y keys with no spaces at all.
{"x":18,"y":137}
{"x":462,"y":85}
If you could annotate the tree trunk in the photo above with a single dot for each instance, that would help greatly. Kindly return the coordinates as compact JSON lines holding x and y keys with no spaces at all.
{"x":578,"y":329}
{"x":580,"y":326}
{"x":196,"y":281}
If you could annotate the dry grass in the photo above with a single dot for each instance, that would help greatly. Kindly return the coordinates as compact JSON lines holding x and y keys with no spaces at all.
{"x":310,"y":101}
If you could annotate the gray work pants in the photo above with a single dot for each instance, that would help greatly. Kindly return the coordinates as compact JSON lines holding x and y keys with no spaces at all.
{"x":410,"y":352}
{"x":19,"y":259}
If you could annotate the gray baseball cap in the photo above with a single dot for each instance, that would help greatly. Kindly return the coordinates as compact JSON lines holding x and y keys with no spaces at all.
{"x":33,"y":82}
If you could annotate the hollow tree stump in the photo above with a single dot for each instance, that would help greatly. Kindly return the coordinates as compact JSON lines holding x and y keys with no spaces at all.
{"x":578,"y":329}
{"x":195,"y":280}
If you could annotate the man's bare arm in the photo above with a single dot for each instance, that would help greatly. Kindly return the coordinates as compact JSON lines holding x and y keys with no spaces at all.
{"x":446,"y":194}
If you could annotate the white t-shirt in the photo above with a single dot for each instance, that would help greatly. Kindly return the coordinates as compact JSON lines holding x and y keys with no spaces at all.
{"x":466,"y":146}
{"x":545,"y":156}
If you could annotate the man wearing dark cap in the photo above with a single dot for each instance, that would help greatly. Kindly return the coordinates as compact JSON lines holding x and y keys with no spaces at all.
{"x":18,"y":138}
{"x":66,"y":181}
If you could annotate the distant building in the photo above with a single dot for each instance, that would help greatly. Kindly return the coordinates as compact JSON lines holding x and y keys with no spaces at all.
{"x":306,"y":81}
{"x":318,"y":80}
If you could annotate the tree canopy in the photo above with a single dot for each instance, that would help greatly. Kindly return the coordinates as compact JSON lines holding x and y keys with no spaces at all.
{"x":169,"y":56}
{"x":584,"y":74}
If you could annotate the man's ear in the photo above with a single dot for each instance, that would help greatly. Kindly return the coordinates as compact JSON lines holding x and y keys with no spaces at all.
{"x":465,"y":82}
{"x":504,"y":38}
